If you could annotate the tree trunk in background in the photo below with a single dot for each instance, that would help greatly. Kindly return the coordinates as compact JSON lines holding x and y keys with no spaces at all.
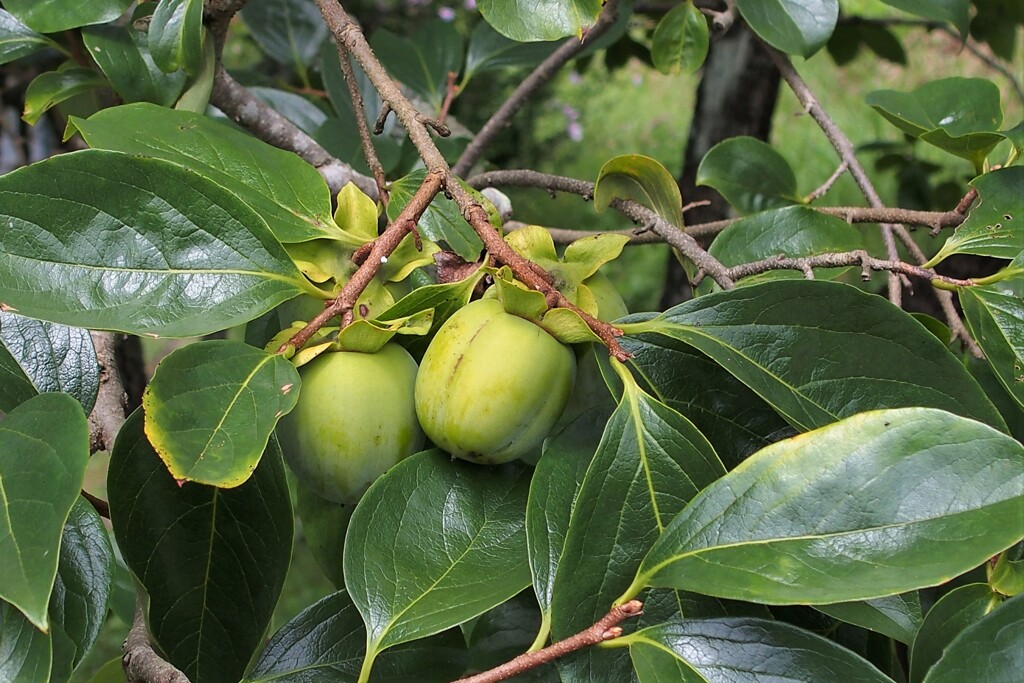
{"x":736,"y":96}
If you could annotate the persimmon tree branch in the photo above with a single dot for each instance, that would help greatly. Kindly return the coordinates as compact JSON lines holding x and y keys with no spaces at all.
{"x":540,"y":76}
{"x":369,"y":152}
{"x":861,"y":258}
{"x":844,"y":147}
{"x":140,"y":661}
{"x":606,"y":628}
{"x":348,"y":34}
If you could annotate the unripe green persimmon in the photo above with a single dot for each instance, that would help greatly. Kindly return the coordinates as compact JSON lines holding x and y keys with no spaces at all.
{"x":610,"y":305}
{"x":491,"y":385}
{"x":354,"y":420}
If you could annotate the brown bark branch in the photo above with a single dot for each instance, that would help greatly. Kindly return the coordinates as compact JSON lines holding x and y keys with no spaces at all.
{"x":861,"y":258}
{"x":607,"y":628}
{"x":108,"y":412}
{"x":140,"y":661}
{"x":369,"y":152}
{"x":540,"y":76}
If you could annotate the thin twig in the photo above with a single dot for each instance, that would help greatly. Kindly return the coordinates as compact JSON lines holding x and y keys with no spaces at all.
{"x":807,"y":264}
{"x":369,"y":153}
{"x":844,"y":147}
{"x":451,"y":90}
{"x":101,"y":506}
{"x":827,"y":185}
{"x":540,"y":76}
{"x":140,"y":661}
{"x":607,"y":628}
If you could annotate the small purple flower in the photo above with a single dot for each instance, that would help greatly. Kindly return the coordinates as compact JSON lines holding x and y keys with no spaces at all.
{"x":446,"y":13}
{"x":575,"y":78}
{"x":575,"y":131}
{"x":469,"y":4}
{"x":570,"y":113}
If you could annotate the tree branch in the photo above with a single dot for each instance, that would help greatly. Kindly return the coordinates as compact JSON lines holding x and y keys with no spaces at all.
{"x":607,"y":628}
{"x":861,"y":258}
{"x":540,"y":76}
{"x":369,"y":152}
{"x":348,"y":34}
{"x":250,"y":112}
{"x":140,"y":661}
{"x":108,"y":412}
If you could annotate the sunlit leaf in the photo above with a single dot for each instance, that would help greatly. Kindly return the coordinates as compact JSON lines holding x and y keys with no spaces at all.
{"x":681,"y":39}
{"x":526,"y":21}
{"x":750,"y":174}
{"x":642,"y":179}
{"x":799,"y":27}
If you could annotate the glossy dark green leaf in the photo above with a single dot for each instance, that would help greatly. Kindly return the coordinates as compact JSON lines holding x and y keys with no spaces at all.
{"x":122,"y":54}
{"x":413,"y":571}
{"x":681,"y":40}
{"x":176,"y":35}
{"x":326,"y":642}
{"x":293,"y":200}
{"x":442,"y":221}
{"x":489,"y":51}
{"x":25,"y":654}
{"x":798,"y":27}
{"x":896,"y":616}
{"x":290,"y":31}
{"x":52,"y":16}
{"x":995,"y":226}
{"x":211,"y":407}
{"x":529,"y":22}
{"x":44,"y":447}
{"x":212,"y":561}
{"x":991,"y":650}
{"x":53,"y":357}
{"x":1007,"y":406}
{"x":732,"y":650}
{"x":954,"y":612}
{"x":793,"y":231}
{"x":750,"y":174}
{"x":734,"y":419}
{"x":782,"y":339}
{"x":651,"y":461}
{"x":50,"y":88}
{"x":15,"y":385}
{"x":505,"y":632}
{"x":995,"y":316}
{"x":880,"y":503}
{"x":642,"y":179}
{"x":423,"y":60}
{"x":955,"y":12}
{"x":18,"y":40}
{"x":78,"y":604}
{"x":93,"y":252}
{"x":553,"y":491}
{"x":958,"y":115}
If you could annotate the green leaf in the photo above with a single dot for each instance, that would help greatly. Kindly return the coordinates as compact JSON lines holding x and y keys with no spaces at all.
{"x":25,"y":652}
{"x":955,"y":12}
{"x":111,"y":672}
{"x":958,"y":115}
{"x":290,"y":31}
{"x":293,"y":200}
{"x":1016,"y":137}
{"x":50,"y":88}
{"x":211,"y":560}
{"x":422,"y":61}
{"x":326,"y":643}
{"x":17,"y":40}
{"x":995,"y":226}
{"x":176,"y":35}
{"x":793,"y":231}
{"x":505,"y":632}
{"x":680,"y":42}
{"x":1007,"y":406}
{"x":413,"y":572}
{"x":780,"y":338}
{"x":442,"y":221}
{"x":196,"y":97}
{"x":444,"y":299}
{"x":53,"y":16}
{"x":92,"y":251}
{"x":1007,"y":576}
{"x":877,"y":504}
{"x":15,"y":385}
{"x":947,"y":618}
{"x":642,"y":179}
{"x":651,"y":461}
{"x":990,"y":650}
{"x":995,"y":316}
{"x":750,"y":174}
{"x":44,"y":447}
{"x":85,"y":574}
{"x":529,"y":22}
{"x":742,"y":649}
{"x":123,"y":56}
{"x":734,"y":419}
{"x":896,"y":616}
{"x":211,"y":407}
{"x":798,"y":27}
{"x":553,"y":491}
{"x":53,"y":357}
{"x":324,"y":524}
{"x":490,"y":51}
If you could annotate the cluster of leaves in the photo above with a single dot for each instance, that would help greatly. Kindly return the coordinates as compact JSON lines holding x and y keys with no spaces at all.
{"x":781,"y":472}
